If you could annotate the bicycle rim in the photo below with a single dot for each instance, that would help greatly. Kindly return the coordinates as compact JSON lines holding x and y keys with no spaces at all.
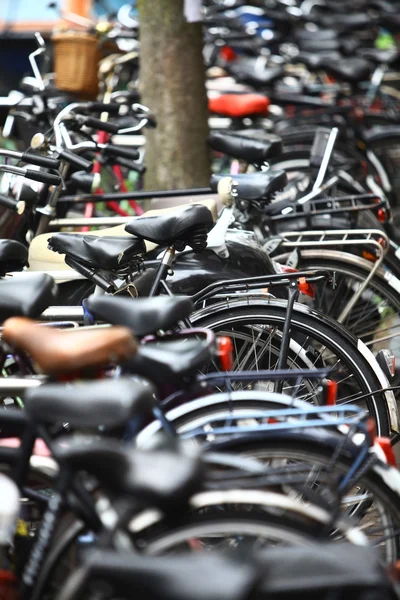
{"x":256,"y":333}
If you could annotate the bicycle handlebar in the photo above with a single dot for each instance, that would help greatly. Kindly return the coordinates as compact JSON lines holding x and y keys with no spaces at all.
{"x":98,"y":124}
{"x":72,"y":111}
{"x":120,"y":151}
{"x":132,"y":166}
{"x":112,"y":107}
{"x":40,"y":161}
{"x":33,"y":159}
{"x":42,"y":177}
{"x":75,"y":160}
{"x":16,"y":205}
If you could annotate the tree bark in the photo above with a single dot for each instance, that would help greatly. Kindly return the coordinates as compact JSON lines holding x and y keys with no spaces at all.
{"x":172,"y":85}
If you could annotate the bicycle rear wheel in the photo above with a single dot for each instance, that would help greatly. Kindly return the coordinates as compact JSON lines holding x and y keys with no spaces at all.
{"x":370,"y":502}
{"x":255,"y":327}
{"x":375,"y":317}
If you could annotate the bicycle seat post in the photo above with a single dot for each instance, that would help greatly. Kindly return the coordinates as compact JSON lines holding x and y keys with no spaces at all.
{"x":163,"y":269}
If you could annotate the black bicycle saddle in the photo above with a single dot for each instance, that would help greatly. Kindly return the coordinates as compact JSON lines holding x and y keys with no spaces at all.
{"x":170,"y":361}
{"x":99,"y":252}
{"x":143,"y":316}
{"x":254,"y":186}
{"x":187,"y":225}
{"x":110,"y":402}
{"x":164,"y":478}
{"x":26,"y":296}
{"x":13,"y":256}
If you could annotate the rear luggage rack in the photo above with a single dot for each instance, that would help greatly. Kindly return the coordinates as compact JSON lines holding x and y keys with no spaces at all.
{"x":333,"y":206}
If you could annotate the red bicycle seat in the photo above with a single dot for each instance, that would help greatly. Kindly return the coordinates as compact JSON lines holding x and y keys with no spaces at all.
{"x":239,"y":105}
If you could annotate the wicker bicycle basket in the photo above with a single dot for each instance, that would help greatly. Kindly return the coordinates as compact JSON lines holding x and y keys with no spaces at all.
{"x":76,"y":59}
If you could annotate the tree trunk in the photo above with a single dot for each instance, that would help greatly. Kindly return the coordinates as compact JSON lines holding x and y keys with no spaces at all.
{"x":172,"y":85}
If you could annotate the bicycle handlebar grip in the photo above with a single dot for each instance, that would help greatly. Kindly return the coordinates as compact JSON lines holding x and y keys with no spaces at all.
{"x":151,"y":120}
{"x":130,"y":165}
{"x":120,"y":151}
{"x":76,"y":160}
{"x":100,"y":125}
{"x":40,"y":161}
{"x":43,"y":177}
{"x":133,"y":96}
{"x":17,"y":205}
{"x":112,"y":107}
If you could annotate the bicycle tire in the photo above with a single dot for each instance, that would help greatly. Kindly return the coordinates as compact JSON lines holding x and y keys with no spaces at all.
{"x":269,"y":311}
{"x":374,"y":479}
{"x":313,"y":259}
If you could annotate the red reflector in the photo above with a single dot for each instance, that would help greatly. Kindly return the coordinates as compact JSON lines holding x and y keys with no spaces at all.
{"x":306,"y":288}
{"x":225,"y":352}
{"x":331,"y":391}
{"x":381,"y":214}
{"x":382,"y":241}
{"x":385,"y":444}
{"x":227,"y":53}
{"x":393,"y":571}
{"x":369,"y":256}
{"x":371,"y":429}
{"x":7,"y":576}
